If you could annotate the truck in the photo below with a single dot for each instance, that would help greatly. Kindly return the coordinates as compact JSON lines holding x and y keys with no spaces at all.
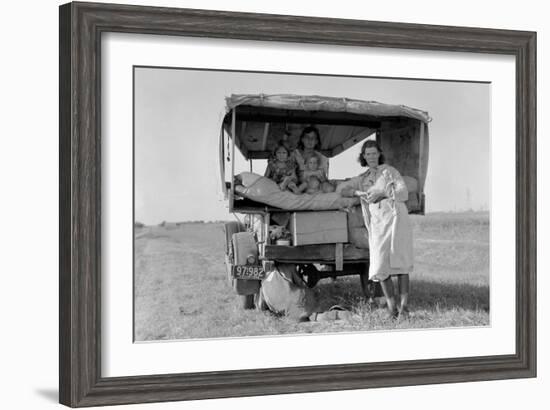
{"x":319,"y":242}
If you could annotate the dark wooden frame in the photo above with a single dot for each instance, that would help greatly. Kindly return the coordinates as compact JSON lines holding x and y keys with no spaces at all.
{"x":81,"y":26}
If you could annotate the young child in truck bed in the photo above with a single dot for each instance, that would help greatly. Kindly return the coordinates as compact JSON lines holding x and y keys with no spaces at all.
{"x":313,"y":185}
{"x":281,"y":168}
{"x":312,"y":170}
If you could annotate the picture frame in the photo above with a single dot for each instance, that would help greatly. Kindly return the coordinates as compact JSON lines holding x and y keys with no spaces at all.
{"x":81,"y":27}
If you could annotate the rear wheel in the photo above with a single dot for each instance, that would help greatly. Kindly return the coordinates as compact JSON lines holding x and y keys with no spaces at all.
{"x":230,"y":228}
{"x":245,"y":249}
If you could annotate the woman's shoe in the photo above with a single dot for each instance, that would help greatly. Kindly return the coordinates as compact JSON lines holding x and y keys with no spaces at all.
{"x":392,"y":314}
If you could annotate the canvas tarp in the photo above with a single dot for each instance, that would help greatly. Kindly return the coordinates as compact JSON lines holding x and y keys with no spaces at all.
{"x":262,"y":121}
{"x":329,"y":104}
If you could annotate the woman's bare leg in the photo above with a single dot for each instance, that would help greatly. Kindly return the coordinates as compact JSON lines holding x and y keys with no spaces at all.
{"x":387,"y":288}
{"x":403,"y":283}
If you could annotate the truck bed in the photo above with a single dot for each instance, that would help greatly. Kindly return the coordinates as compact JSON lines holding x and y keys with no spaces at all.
{"x":325,"y":253}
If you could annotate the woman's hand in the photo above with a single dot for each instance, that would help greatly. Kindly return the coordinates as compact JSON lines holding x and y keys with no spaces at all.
{"x":375,"y":195}
{"x":348,"y":192}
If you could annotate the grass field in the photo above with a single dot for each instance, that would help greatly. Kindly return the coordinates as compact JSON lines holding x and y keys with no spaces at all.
{"x":181,"y":290}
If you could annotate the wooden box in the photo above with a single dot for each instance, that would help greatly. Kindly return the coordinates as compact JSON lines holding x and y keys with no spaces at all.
{"x":311,"y":228}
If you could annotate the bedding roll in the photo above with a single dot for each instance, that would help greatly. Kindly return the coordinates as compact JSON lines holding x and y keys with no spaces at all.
{"x":264,"y":190}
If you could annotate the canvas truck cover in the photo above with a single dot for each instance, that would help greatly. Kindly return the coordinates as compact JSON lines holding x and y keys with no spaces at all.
{"x":264,"y":120}
{"x":258,"y":122}
{"x":328,"y":104}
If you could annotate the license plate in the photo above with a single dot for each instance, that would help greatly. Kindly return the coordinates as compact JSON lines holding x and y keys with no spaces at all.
{"x":248,"y":272}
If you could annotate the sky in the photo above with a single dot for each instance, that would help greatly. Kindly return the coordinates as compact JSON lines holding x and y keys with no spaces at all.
{"x":178,"y":114}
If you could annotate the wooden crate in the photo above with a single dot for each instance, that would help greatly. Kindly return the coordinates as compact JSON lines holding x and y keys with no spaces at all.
{"x":311,"y":228}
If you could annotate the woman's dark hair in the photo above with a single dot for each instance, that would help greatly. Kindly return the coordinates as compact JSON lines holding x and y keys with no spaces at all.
{"x":370,"y":144}
{"x":308,"y":130}
{"x":280,"y":144}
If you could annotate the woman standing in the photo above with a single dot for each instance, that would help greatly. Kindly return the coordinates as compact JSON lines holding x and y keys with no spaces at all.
{"x":383,"y":192}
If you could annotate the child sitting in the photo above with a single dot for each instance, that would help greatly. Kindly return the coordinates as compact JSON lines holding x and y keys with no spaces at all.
{"x":313,"y":185}
{"x":312,"y":170}
{"x":281,"y":168}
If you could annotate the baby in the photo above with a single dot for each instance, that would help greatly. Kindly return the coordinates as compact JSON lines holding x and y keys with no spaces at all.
{"x":281,"y":168}
{"x":313,"y":185}
{"x":312,"y":170}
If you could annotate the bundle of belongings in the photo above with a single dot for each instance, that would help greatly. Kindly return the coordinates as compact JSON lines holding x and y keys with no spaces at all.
{"x":266,"y":191}
{"x":283,"y":292}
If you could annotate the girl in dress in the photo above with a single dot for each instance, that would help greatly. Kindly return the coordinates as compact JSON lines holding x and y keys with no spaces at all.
{"x":281,"y":168}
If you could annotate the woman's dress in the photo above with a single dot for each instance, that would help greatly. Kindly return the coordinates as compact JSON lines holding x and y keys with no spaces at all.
{"x":387,"y":222}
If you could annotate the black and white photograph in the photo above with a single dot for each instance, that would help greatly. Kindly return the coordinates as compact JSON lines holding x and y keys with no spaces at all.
{"x":273,"y":204}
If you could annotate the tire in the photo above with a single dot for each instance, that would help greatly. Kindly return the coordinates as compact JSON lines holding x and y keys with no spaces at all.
{"x":228,"y":265}
{"x":247,"y":301}
{"x":245,"y":245}
{"x":229,"y":229}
